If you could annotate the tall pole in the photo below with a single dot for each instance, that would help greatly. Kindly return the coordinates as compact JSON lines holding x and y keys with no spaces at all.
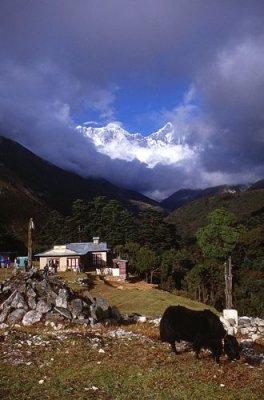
{"x":30,"y":227}
{"x":228,"y":284}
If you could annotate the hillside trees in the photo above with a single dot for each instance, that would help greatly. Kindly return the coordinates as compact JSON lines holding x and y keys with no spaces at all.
{"x":205,"y":282}
{"x":52,"y":232}
{"x":113,"y":223}
{"x":100,"y":217}
{"x":174,"y":265}
{"x":217,"y":240}
{"x":155,"y":233}
{"x":249,"y":287}
{"x":147,"y":262}
{"x":129,"y":252}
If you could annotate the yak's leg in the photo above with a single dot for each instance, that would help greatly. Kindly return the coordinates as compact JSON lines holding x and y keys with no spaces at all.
{"x":173,"y":347}
{"x":216,"y":356}
{"x":197,"y":349}
{"x":217,"y":351}
{"x":197,"y":352}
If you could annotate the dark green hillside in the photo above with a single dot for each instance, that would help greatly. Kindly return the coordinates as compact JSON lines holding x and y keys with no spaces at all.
{"x":32,"y":187}
{"x":180,"y":198}
{"x":185,"y":196}
{"x":55,"y":186}
{"x":194,"y":215}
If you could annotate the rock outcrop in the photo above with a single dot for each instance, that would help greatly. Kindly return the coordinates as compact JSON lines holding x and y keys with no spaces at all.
{"x":29,"y":298}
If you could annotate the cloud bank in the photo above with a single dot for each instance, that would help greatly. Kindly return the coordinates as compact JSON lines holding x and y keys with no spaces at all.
{"x":60,"y":59}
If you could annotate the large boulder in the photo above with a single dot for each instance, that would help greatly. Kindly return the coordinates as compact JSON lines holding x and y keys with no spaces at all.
{"x":16,"y":316}
{"x":115,"y":314}
{"x":19,"y":302}
{"x":31,"y":317}
{"x":9,"y":300}
{"x":4,"y":313}
{"x":32,"y":303}
{"x":40,"y":287}
{"x":64,"y":312}
{"x":62,"y":298}
{"x":76,"y":307}
{"x":43,"y":307}
{"x":31,"y":292}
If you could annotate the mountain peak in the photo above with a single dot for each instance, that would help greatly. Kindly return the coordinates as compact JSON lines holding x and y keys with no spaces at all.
{"x":165,"y":134}
{"x":161,"y":147}
{"x":113,"y":126}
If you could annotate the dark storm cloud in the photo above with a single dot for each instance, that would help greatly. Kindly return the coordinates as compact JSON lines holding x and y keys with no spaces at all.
{"x":233,"y":89}
{"x":58,"y":56}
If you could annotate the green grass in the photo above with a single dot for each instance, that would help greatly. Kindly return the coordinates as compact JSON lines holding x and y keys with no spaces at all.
{"x":128,"y":369}
{"x":151,"y":302}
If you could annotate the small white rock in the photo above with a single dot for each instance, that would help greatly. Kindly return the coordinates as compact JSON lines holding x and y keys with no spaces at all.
{"x":41,"y":381}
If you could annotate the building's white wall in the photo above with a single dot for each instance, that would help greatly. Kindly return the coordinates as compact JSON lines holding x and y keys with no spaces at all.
{"x":42,"y":262}
{"x":63,"y":264}
{"x":104,"y":256}
{"x":63,"y":260}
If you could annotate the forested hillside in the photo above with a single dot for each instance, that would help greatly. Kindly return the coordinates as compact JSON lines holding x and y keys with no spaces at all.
{"x":191,"y":264}
{"x":245,"y":206}
{"x":183,"y":252}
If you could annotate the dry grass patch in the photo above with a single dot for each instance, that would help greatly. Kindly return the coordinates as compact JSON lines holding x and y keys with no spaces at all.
{"x":92,"y":364}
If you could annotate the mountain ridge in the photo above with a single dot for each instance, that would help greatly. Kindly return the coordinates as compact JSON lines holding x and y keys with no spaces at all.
{"x":246,"y":206}
{"x":33,"y":187}
{"x":185,"y":196}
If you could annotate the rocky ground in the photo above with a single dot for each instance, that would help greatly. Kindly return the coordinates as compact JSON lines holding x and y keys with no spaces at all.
{"x":89,"y":351}
{"x":107,"y":362}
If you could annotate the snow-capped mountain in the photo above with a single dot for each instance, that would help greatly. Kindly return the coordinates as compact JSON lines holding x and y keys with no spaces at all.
{"x":164,"y":146}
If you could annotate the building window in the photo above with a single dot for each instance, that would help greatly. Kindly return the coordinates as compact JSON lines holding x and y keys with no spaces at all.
{"x":97,"y":259}
{"x":72,"y":263}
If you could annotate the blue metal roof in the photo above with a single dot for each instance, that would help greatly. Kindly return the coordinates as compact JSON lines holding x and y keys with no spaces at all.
{"x":87,"y":247}
{"x":78,"y":249}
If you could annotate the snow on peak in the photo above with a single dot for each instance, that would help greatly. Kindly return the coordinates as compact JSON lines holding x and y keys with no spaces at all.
{"x":163,"y":146}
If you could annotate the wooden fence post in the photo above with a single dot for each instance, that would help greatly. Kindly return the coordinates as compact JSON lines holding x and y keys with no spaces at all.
{"x":228,"y":283}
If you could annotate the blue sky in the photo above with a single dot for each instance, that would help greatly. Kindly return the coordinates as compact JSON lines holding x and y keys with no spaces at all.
{"x":196,"y":63}
{"x":138,"y":108}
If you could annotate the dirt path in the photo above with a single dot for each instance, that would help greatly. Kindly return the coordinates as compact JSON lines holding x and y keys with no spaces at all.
{"x":138,"y":285}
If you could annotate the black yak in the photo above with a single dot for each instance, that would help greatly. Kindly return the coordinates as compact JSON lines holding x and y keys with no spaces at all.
{"x":201,"y":328}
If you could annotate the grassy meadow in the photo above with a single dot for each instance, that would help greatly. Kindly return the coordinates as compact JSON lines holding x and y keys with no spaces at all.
{"x":74,"y":362}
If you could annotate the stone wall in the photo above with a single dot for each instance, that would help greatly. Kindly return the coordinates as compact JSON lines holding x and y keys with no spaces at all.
{"x":30,"y":298}
{"x":251,"y":327}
